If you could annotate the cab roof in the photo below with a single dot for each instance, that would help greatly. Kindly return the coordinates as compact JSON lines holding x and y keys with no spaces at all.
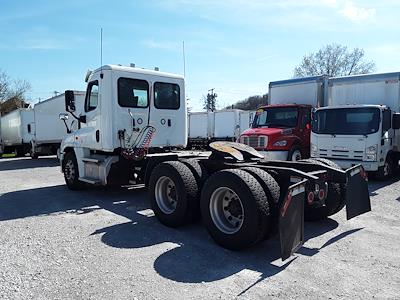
{"x":137,"y":71}
{"x":286,"y":105}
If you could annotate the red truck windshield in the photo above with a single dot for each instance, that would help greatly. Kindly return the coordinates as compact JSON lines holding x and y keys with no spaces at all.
{"x":276,"y":117}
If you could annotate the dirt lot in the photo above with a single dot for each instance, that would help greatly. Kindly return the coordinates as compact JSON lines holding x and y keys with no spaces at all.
{"x":106,"y":244}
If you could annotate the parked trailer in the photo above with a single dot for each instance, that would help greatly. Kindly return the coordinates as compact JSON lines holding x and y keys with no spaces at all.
{"x":225,"y":125}
{"x":16,"y":131}
{"x":201,"y":127}
{"x":281,"y":130}
{"x":48,"y":131}
{"x":1,"y":141}
{"x":241,"y":197}
{"x":361,"y":124}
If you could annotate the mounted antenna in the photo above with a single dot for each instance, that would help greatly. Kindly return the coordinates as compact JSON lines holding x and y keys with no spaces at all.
{"x":101,"y":53}
{"x":184,"y":59}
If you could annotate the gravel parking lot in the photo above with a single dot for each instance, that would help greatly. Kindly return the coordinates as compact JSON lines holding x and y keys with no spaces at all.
{"x":105,"y":243}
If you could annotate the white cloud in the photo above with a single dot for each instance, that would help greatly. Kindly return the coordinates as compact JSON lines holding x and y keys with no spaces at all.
{"x":357,"y":14}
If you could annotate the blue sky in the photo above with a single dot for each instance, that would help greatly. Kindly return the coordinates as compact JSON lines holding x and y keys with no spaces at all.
{"x":235,"y":46}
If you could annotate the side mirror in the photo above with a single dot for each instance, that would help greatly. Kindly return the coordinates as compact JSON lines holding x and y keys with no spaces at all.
{"x":70,"y":101}
{"x":63,"y":116}
{"x":396,"y":121}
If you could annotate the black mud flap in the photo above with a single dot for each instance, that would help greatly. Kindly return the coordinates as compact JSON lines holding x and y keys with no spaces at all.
{"x":291,"y":219}
{"x":357,"y":194}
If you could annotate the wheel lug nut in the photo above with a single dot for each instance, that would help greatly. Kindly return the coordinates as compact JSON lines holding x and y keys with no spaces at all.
{"x":226,"y":208}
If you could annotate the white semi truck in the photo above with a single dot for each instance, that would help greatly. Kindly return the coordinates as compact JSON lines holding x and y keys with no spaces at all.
{"x":361,"y":123}
{"x":132,"y":121}
{"x":17,"y":131}
{"x":48,"y":131}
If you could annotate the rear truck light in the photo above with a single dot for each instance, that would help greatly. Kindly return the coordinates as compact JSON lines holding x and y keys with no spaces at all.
{"x":282,"y":143}
{"x":321,"y":194}
{"x":310,"y":197}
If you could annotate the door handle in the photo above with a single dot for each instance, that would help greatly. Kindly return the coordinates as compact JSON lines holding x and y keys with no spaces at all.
{"x":169,"y":122}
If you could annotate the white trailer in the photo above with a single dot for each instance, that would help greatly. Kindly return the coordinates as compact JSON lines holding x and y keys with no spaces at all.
{"x":246,"y":118}
{"x":308,"y":91}
{"x":361,"y":124}
{"x":1,"y":141}
{"x":17,"y":131}
{"x":226,"y":125}
{"x":201,"y":127}
{"x":49,"y":131}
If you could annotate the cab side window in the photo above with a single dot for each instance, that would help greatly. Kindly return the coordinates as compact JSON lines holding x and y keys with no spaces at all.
{"x":166,"y":95}
{"x":133,"y":92}
{"x":306,"y":117}
{"x":92,"y":96}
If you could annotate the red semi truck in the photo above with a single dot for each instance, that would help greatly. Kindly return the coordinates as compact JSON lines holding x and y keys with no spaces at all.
{"x":281,"y":131}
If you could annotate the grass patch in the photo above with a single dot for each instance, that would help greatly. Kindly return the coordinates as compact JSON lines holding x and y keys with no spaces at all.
{"x":8,"y":155}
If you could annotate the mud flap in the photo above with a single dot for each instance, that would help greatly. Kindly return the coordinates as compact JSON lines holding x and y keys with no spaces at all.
{"x":291,"y":219}
{"x":357,"y":194}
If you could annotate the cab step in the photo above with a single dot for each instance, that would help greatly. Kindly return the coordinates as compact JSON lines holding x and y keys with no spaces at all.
{"x":93,"y":181}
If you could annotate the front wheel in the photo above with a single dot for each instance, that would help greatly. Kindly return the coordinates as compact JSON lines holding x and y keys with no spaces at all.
{"x":294,"y":154}
{"x":386,"y":171}
{"x":71,"y":172}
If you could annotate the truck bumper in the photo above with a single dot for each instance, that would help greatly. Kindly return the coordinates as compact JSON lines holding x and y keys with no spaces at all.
{"x":274,"y":155}
{"x":369,"y":166}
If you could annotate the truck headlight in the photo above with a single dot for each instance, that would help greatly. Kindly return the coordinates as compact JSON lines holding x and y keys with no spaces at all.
{"x":313,"y":150}
{"x":314,"y":147}
{"x":371,"y":149}
{"x":282,"y":143}
{"x":370,"y":157}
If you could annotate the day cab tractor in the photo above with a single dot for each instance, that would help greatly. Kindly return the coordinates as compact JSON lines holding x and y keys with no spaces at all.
{"x":135,"y":122}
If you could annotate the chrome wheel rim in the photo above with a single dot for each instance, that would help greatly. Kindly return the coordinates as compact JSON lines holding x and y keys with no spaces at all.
{"x":166,"y":195}
{"x":296,"y":155}
{"x":226,"y":210}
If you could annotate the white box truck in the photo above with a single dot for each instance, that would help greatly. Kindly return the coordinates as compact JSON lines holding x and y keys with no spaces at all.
{"x":201,"y":127}
{"x":1,"y":141}
{"x":361,"y":123}
{"x":48,"y":131}
{"x":17,"y":131}
{"x":133,"y":121}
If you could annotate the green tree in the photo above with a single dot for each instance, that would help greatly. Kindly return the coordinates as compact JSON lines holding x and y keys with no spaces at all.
{"x":334,"y":60}
{"x":210,"y":101}
{"x":250,"y":103}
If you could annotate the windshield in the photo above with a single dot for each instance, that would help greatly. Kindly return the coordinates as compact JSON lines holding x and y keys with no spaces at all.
{"x":276,"y":117}
{"x":357,"y":121}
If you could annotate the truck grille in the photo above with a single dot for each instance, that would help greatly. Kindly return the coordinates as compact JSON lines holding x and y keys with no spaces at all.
{"x":340,"y":154}
{"x":254,"y":141}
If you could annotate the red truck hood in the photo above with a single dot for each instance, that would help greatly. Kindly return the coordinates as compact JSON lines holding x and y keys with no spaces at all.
{"x":267,"y":131}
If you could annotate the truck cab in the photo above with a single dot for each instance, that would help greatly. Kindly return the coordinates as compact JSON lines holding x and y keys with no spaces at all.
{"x":280,"y":132}
{"x":357,"y":134}
{"x":128,"y":112}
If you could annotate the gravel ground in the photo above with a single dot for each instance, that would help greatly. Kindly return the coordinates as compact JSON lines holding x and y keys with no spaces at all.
{"x":105,"y":243}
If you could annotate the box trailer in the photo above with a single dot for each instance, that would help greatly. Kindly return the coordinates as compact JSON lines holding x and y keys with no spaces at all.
{"x":201,"y":127}
{"x":281,"y":129}
{"x":226,"y":125}
{"x":48,"y":130}
{"x":130,"y":137}
{"x":361,"y":124}
{"x":17,"y":131}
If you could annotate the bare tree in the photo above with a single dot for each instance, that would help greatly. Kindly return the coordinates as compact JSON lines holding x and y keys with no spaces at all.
{"x":12,"y":89}
{"x":334,"y":60}
{"x":4,"y":86}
